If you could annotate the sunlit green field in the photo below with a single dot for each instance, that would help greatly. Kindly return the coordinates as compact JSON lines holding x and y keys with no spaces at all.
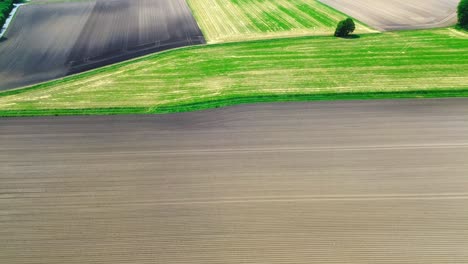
{"x":425,"y":63}
{"x":236,"y":20}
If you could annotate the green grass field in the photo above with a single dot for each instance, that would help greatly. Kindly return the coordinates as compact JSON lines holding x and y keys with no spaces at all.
{"x":237,"y":20}
{"x":426,"y":63}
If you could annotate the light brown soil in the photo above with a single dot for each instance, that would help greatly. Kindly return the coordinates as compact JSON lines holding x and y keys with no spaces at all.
{"x":399,"y":14}
{"x":344,"y":182}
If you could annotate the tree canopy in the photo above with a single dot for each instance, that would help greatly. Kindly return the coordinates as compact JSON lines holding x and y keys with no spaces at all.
{"x":463,"y":14}
{"x":344,"y":28}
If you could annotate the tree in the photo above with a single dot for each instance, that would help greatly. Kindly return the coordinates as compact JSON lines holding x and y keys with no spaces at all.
{"x":463,"y":14}
{"x":344,"y":28}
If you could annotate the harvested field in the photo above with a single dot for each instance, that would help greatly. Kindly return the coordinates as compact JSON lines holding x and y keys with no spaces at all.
{"x":423,"y":63}
{"x":379,"y":182}
{"x":400,"y":14}
{"x":48,"y":40}
{"x":237,"y":20}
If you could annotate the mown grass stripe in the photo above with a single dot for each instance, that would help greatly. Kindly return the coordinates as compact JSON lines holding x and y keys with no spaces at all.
{"x":235,"y":20}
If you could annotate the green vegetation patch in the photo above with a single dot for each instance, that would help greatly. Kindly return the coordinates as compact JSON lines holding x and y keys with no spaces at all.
{"x":427,"y":63}
{"x":236,"y":20}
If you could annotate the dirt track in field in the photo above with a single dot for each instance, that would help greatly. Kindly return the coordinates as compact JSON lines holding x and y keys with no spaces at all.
{"x":337,"y":182}
{"x":51,"y":40}
{"x":399,"y":14}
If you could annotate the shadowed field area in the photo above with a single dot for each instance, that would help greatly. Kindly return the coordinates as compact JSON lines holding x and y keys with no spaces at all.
{"x":39,"y":40}
{"x":412,"y":63}
{"x":379,"y":182}
{"x":122,"y":29}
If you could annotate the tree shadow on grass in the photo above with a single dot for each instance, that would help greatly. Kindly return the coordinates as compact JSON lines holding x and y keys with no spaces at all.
{"x":352,"y":36}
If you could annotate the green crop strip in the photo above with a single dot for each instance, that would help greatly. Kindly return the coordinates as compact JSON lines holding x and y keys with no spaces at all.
{"x":237,"y":20}
{"x":409,"y":64}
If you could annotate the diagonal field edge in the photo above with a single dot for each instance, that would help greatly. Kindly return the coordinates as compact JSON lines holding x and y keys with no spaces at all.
{"x":224,"y":102}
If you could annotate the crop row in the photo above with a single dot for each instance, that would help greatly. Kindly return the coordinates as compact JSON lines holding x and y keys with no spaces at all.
{"x":236,"y":20}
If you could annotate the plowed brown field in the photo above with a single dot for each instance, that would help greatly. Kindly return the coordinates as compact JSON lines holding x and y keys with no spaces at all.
{"x":344,"y":182}
{"x":48,"y":40}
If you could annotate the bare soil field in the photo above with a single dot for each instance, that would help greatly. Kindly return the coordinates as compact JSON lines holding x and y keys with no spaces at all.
{"x":39,"y":42}
{"x":338,"y":182}
{"x":48,"y":40}
{"x":399,"y":14}
{"x":121,"y":29}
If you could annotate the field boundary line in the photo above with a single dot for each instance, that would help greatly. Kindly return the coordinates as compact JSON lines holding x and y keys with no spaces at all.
{"x":225,"y":102}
